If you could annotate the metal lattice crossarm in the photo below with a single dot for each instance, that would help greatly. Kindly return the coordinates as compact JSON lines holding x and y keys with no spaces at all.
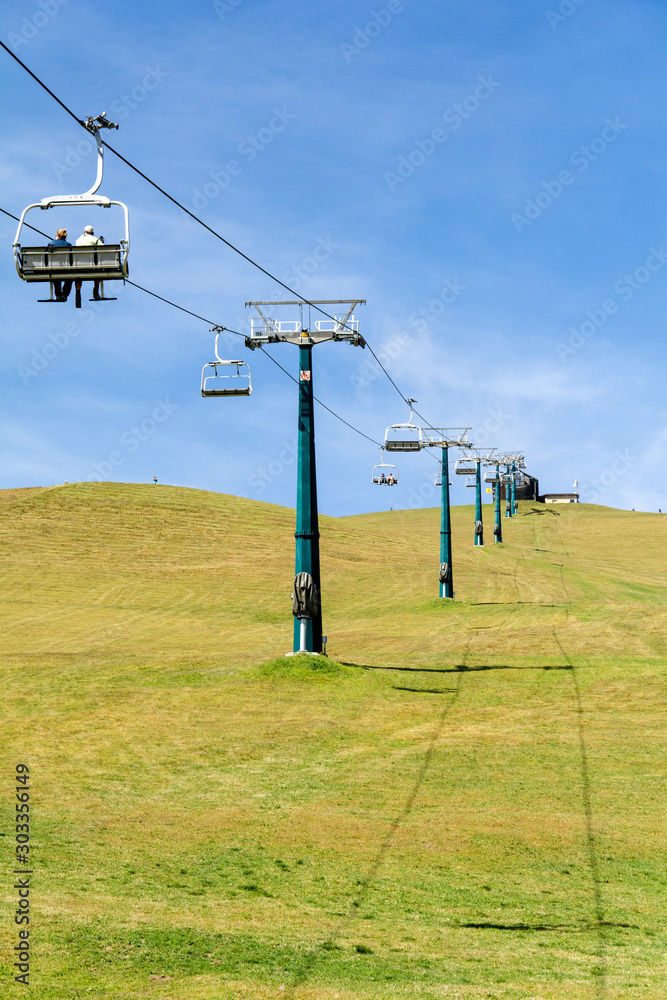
{"x":445,"y":437}
{"x":507,"y":458}
{"x":265,"y":329}
{"x":487,"y":457}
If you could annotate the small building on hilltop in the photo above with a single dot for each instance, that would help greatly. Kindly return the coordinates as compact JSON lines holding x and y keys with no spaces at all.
{"x":559,"y":498}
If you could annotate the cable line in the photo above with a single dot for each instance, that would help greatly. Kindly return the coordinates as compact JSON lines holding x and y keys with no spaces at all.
{"x":206,"y":226}
{"x":26,"y":224}
{"x":211,"y":323}
{"x":182,"y":308}
{"x":269,"y":356}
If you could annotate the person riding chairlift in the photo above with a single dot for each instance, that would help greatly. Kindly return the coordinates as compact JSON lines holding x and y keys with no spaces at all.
{"x":88,"y":239}
{"x":63,"y":289}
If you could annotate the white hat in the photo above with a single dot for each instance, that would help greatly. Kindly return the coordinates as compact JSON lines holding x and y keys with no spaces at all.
{"x":89,"y":229}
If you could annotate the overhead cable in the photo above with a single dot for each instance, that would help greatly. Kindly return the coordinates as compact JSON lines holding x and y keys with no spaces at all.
{"x":205,"y":225}
{"x":236,"y":333}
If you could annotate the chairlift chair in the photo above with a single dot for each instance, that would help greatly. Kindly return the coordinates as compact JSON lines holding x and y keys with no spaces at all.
{"x":215,"y":382}
{"x":404,"y":437}
{"x":384,"y":473}
{"x":438,"y":480}
{"x":465,"y":467}
{"x":104,"y":262}
{"x":471,"y":481}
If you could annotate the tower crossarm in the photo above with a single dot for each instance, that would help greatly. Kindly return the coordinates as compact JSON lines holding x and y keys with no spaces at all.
{"x":341,"y":326}
{"x":446,"y":437}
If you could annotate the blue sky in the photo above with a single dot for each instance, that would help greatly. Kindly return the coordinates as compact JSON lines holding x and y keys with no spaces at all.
{"x":489,"y":176}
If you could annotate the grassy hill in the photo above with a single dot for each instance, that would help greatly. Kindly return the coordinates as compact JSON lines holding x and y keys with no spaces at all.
{"x":466,"y":800}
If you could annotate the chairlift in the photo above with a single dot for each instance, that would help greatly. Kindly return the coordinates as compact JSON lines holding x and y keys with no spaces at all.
{"x":404,"y":437}
{"x":438,"y":480}
{"x":465,"y":467}
{"x":384,"y":473}
{"x":490,"y":476}
{"x":104,"y":262}
{"x":216,"y":381}
{"x":471,"y":481}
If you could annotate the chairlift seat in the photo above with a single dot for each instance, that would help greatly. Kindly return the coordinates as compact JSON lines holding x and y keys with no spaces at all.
{"x":467,"y":470}
{"x":381,"y":476}
{"x":104,"y":262}
{"x":215,"y":384}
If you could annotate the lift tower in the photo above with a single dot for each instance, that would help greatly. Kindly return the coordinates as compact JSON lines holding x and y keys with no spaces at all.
{"x":409,"y":437}
{"x":474,"y":455}
{"x":514,"y":462}
{"x":266,"y":330}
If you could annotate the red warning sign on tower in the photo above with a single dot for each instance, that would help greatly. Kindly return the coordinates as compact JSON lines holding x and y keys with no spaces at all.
{"x":304,"y":376}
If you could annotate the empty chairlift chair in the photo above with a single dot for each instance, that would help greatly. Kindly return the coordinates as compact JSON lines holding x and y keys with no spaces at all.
{"x":405,"y":437}
{"x":465,"y":467}
{"x":225,"y":378}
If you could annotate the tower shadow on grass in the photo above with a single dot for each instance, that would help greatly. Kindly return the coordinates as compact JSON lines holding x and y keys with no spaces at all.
{"x":458,"y":668}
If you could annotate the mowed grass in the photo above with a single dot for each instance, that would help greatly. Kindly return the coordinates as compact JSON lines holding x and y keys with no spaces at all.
{"x":466,"y":800}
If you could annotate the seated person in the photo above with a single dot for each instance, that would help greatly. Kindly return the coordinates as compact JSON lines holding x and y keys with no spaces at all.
{"x":88,"y":239}
{"x":62,"y":291}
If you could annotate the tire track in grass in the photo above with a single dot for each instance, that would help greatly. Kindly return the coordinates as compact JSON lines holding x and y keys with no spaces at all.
{"x":600,"y":972}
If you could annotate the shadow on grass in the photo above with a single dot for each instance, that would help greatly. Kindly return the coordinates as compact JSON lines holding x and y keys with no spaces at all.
{"x":457,"y":669}
{"x":397,"y":687}
{"x":570,"y":928}
{"x":366,"y":883}
{"x":489,"y":925}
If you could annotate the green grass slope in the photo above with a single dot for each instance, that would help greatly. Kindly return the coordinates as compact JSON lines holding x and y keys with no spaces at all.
{"x":466,"y":800}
